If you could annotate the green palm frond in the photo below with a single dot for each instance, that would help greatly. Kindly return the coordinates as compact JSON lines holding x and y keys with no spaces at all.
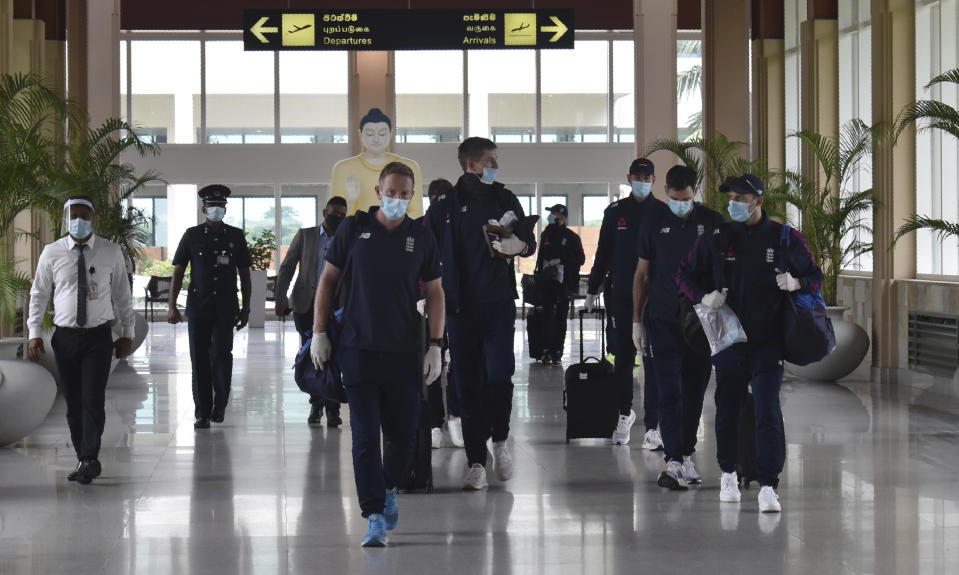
{"x":928,"y":115}
{"x":940,"y":228}
{"x":690,"y":83}
{"x":14,"y":284}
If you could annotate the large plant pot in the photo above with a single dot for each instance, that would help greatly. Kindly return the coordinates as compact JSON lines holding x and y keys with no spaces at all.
{"x":11,"y":346}
{"x":257,"y":298}
{"x":27,"y":392}
{"x":140,"y":329}
{"x":852,"y":344}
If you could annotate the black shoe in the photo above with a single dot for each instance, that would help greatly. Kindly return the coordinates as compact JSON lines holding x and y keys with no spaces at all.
{"x":73,"y":475}
{"x":217,"y":416}
{"x":316,"y":413}
{"x":87,"y":471}
{"x":333,"y":419}
{"x":201,"y":423}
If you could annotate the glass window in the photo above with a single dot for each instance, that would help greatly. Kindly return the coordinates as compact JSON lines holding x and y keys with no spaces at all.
{"x":429,"y":96}
{"x":300,"y":207}
{"x":314,"y":106}
{"x":689,"y":105}
{"x":502,"y":93}
{"x":239,"y":94}
{"x":575,"y":85}
{"x":593,"y":209}
{"x":154,"y":209}
{"x":165,"y":90}
{"x":124,"y":111}
{"x":624,"y":122}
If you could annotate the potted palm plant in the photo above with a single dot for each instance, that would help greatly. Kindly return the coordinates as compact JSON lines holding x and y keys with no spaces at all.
{"x":833,"y":218}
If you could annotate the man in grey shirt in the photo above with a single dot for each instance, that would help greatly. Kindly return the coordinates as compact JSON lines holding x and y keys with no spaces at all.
{"x":308,"y":251}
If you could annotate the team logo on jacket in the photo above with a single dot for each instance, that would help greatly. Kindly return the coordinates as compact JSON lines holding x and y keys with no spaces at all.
{"x":664,"y":230}
{"x":563,"y":243}
{"x":770,"y":255}
{"x":700,"y":229}
{"x":410,"y":242}
{"x":365,"y":236}
{"x":621,"y":224}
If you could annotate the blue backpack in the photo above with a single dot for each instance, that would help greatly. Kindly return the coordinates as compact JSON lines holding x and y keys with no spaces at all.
{"x":808,"y":335}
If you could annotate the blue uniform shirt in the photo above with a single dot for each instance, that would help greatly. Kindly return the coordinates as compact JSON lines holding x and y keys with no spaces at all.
{"x":617,"y":252}
{"x":665,"y":242}
{"x":214,"y":256}
{"x":384,"y":287}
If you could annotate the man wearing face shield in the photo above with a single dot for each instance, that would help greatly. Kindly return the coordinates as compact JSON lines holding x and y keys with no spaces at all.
{"x":557,"y":278}
{"x":216,"y":253}
{"x":356,"y":178}
{"x":86,"y":275}
{"x":385,"y":256}
{"x":308,"y":252}
{"x":613,"y":268}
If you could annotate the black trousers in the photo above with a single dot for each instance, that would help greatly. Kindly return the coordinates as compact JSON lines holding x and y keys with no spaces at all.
{"x":83,"y":357}
{"x":211,"y":350}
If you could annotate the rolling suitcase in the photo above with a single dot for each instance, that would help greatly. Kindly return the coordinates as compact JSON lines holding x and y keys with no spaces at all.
{"x":589,"y":393}
{"x":534,"y":332}
{"x":420,"y":472}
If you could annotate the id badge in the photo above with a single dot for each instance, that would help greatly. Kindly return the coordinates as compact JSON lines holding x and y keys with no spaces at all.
{"x":93,"y":292}
{"x":223,"y":260}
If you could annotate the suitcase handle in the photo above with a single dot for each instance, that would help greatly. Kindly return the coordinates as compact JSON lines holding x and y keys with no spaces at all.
{"x":602,"y":331}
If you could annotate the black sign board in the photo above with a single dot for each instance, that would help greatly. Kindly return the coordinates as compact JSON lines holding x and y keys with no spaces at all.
{"x":406,"y":29}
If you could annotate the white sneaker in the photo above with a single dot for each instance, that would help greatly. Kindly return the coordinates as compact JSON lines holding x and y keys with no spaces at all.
{"x":689,"y":471}
{"x":652,"y":440}
{"x":475,"y":478}
{"x":672,"y":478}
{"x":621,"y":435}
{"x":503,"y":461}
{"x":729,"y":488}
{"x":768,"y":500}
{"x":455,"y":427}
{"x":436,"y":437}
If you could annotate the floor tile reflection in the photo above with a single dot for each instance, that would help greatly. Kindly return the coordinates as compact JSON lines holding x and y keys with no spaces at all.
{"x":870,"y":485}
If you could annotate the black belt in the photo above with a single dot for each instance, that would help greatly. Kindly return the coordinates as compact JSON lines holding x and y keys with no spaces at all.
{"x":102,"y":326}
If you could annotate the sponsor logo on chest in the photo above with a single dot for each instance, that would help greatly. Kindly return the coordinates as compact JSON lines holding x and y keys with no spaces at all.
{"x":365,"y":236}
{"x":665,"y":230}
{"x":621,"y":224}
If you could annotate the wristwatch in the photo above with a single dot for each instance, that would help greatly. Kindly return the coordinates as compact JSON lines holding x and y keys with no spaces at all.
{"x":436,"y":340}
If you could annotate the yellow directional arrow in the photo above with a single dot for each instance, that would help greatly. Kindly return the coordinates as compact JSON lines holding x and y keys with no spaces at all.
{"x":260,"y":28}
{"x":559,"y":28}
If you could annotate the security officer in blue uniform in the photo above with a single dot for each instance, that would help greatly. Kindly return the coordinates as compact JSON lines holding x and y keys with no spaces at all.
{"x":614,"y":266}
{"x":682,"y":371}
{"x":216,"y":253}
{"x":480,"y":287}
{"x":558,"y":261}
{"x":744,"y":257}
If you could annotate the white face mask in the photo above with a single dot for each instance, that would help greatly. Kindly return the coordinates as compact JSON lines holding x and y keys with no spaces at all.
{"x":215,"y":213}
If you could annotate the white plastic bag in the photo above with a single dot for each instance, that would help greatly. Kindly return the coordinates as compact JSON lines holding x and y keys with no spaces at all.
{"x":721,"y":326}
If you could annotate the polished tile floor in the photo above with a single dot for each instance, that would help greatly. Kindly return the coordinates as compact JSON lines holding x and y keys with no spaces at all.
{"x":871,"y":486}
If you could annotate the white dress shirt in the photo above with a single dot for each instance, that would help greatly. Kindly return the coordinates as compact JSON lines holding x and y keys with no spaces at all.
{"x":57,"y":275}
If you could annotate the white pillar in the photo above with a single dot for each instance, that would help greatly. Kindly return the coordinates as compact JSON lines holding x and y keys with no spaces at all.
{"x":103,"y":60}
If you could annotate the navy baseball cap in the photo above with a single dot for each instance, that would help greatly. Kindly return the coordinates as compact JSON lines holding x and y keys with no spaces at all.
{"x":559,"y":209}
{"x":642,"y":166}
{"x":744,"y":184}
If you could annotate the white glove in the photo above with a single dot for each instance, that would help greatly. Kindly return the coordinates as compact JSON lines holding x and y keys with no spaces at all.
{"x":320,"y":350}
{"x":509,"y":246}
{"x":639,"y":336}
{"x":714,"y":299}
{"x":787,"y":283}
{"x":432,"y":364}
{"x":421,"y":307}
{"x":590,"y":302}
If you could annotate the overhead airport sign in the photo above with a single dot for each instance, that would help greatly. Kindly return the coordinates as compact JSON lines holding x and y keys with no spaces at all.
{"x":406,"y":29}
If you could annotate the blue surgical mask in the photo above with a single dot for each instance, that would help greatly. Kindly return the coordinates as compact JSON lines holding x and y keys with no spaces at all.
{"x":642,"y":189}
{"x":551,"y":219}
{"x":740,"y":211}
{"x":489,"y":175}
{"x":215,"y":213}
{"x":394,"y":208}
{"x":80,"y":228}
{"x":680,"y":208}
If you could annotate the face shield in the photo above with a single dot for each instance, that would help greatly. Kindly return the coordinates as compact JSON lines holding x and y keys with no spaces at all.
{"x":65,"y":226}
